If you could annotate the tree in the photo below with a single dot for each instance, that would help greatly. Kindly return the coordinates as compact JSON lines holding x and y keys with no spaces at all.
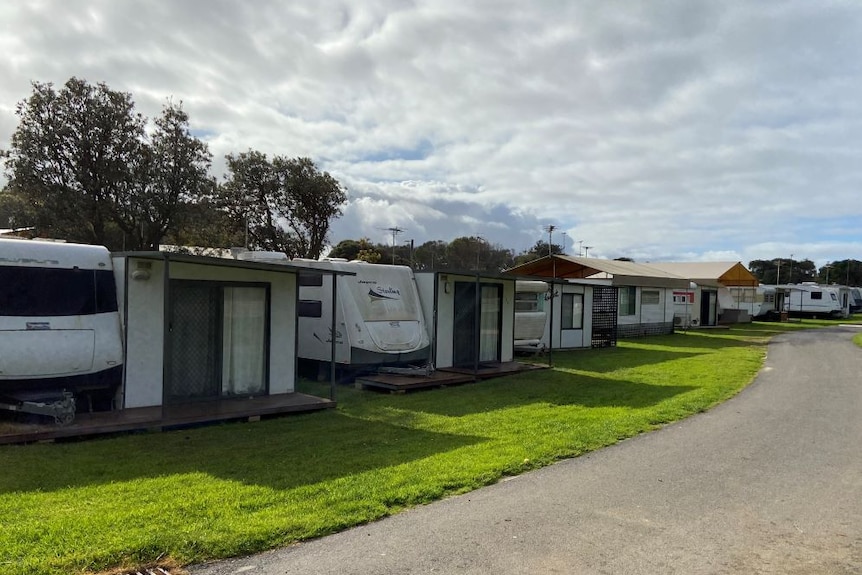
{"x":72,"y":156}
{"x":846,"y":272}
{"x":431,"y":255}
{"x":286,"y":204}
{"x":171,"y":175}
{"x":356,"y":250}
{"x":782,"y":270}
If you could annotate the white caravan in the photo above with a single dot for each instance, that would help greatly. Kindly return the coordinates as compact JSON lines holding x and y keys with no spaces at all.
{"x":378,"y":316}
{"x":531,"y":318}
{"x":59,"y":328}
{"x":811,"y":300}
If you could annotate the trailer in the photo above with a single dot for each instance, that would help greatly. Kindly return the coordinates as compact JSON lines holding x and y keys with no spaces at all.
{"x":531,"y":317}
{"x":378,"y":315}
{"x":811,"y":300}
{"x":59,"y":329}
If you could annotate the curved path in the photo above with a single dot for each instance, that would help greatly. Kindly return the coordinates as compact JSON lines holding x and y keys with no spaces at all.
{"x":769,"y":482}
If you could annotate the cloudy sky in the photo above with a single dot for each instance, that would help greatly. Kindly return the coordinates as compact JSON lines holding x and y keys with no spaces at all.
{"x":658,"y":130}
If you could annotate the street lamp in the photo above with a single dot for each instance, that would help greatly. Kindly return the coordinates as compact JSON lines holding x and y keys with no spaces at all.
{"x":827,"y":266}
{"x":587,"y":251}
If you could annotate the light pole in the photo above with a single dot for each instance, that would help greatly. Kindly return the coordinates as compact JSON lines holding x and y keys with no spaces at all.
{"x":564,"y":243}
{"x":778,"y":273}
{"x":827,"y":266}
{"x":790,"y":278}
{"x":587,"y":251}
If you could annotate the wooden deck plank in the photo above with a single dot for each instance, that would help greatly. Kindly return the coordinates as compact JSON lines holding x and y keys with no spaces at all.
{"x":443,"y":377}
{"x":141,"y":418}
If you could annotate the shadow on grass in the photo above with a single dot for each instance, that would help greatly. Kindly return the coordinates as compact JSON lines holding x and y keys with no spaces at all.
{"x":548,"y":387}
{"x":613,"y":358}
{"x":281,"y":453}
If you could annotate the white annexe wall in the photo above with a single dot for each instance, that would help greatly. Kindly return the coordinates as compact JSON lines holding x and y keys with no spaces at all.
{"x":199,"y":328}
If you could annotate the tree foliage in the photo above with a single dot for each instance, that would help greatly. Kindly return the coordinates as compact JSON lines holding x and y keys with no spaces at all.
{"x":73,"y":157}
{"x":286,"y":204}
{"x":81,"y":167}
{"x":783,"y":270}
{"x":845,"y":272}
{"x":171,"y":176}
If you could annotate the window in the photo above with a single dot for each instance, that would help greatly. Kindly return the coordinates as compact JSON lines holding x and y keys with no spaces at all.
{"x":650,"y":297}
{"x":572,"y":311}
{"x":816,"y":295}
{"x":627,"y":300}
{"x":310,"y":279}
{"x":56,"y":292}
{"x":529,"y":301}
{"x":310,"y":308}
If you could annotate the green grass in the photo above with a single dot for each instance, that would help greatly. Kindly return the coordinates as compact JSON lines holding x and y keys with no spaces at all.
{"x":857,"y":339}
{"x":225,"y":490}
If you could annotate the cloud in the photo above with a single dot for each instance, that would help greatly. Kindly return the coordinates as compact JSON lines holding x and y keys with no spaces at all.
{"x":651,"y":129}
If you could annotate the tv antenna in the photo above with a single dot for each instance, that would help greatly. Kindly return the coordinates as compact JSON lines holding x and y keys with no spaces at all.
{"x":394,"y":230}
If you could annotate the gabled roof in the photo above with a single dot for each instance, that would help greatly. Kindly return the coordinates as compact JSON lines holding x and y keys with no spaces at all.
{"x":728,"y":274}
{"x":621,"y":273}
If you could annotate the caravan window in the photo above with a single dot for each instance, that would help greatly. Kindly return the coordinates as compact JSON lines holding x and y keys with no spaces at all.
{"x":43,"y":292}
{"x":816,"y":295}
{"x":572,"y":311}
{"x":310,"y":279}
{"x":310,"y":308}
{"x":529,"y":301}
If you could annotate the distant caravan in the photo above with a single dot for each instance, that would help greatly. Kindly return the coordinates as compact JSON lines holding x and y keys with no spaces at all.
{"x":59,"y":328}
{"x":811,"y":300}
{"x":378,"y":316}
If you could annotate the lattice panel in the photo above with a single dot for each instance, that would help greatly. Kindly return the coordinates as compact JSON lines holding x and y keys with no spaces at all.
{"x":605,"y":304}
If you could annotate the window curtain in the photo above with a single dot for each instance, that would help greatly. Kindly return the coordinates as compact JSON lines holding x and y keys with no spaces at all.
{"x":489,"y":324}
{"x":244,"y":341}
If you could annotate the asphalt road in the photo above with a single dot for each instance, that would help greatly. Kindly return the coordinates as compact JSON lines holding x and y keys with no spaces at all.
{"x":769,"y":482}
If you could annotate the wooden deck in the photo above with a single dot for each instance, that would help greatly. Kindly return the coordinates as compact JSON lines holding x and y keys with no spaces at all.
{"x":157,"y":418}
{"x":442,"y":377}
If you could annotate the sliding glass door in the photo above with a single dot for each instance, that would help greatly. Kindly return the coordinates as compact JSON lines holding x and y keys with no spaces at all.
{"x":218,"y":341}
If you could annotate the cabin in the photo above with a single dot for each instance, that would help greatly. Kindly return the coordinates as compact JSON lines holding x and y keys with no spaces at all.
{"x":718,"y":292}
{"x":199,"y":329}
{"x":621,"y":299}
{"x":471,"y":318}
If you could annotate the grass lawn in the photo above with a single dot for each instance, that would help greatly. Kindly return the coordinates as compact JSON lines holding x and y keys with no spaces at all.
{"x":232,"y":489}
{"x":857,"y":339}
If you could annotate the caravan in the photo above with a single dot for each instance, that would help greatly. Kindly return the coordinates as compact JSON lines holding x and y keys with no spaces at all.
{"x":531,"y":317}
{"x":378,"y":316}
{"x":59,"y":328}
{"x":811,"y":300}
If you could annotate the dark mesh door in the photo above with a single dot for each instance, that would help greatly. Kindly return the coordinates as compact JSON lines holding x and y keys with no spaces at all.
{"x":195,"y":360}
{"x":464,"y":341}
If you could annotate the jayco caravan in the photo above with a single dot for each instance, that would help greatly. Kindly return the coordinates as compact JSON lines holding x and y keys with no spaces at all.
{"x":59,"y":328}
{"x":378,"y":316}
